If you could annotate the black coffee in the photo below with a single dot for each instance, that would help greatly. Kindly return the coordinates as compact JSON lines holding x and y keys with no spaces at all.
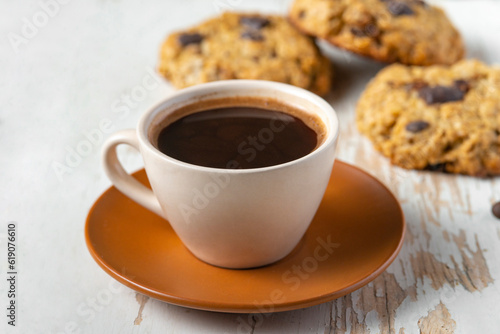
{"x":237,"y":138}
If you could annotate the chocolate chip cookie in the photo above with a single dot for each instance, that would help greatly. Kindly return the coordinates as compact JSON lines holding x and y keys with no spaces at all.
{"x":406,"y":31}
{"x":444,"y":118}
{"x":245,"y":46}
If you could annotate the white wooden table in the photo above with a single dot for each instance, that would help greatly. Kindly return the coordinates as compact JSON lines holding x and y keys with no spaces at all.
{"x":80,"y":73}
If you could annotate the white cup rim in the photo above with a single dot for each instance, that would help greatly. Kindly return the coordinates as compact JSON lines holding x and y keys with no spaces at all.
{"x":205,"y":89}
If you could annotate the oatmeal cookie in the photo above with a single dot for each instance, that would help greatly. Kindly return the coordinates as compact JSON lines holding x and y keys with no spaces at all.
{"x":245,"y":46}
{"x":444,"y":118}
{"x":406,"y":31}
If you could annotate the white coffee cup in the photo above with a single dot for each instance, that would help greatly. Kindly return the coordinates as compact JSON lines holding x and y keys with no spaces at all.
{"x":233,"y":218}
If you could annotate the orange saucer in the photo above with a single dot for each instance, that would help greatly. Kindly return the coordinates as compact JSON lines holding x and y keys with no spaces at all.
{"x":356,"y":233}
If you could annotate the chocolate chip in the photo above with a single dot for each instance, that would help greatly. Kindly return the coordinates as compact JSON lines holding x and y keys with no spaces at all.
{"x":439,"y":167}
{"x":252,"y":35}
{"x":441,"y":94}
{"x":357,"y":32}
{"x":462,"y":85}
{"x":495,"y":209}
{"x":254,"y":22}
{"x":302,"y":14}
{"x":417,"y":126}
{"x":186,"y":39}
{"x":372,"y":30}
{"x":398,"y":8}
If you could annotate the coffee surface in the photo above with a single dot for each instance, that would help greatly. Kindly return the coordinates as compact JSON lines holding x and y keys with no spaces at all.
{"x":237,"y":138}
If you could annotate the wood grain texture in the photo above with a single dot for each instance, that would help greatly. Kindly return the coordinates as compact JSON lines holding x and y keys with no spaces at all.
{"x":438,"y":321}
{"x":142,"y":300}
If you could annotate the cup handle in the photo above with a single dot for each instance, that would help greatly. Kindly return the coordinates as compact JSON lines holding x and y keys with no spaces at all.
{"x":120,"y":178}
